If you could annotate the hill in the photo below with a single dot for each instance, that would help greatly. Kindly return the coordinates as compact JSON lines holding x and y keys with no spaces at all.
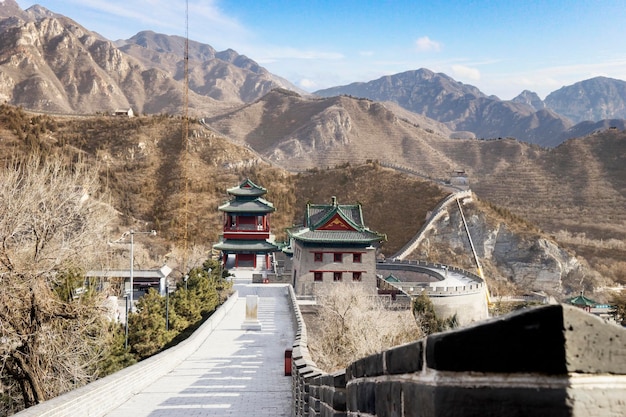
{"x":143,"y":169}
{"x":459,"y":106}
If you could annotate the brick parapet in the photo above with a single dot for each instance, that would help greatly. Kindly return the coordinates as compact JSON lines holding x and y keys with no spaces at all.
{"x":99,"y":397}
{"x":551,"y":361}
{"x":315,"y":393}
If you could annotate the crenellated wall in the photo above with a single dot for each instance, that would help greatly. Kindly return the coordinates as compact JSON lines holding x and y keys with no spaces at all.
{"x":551,"y":361}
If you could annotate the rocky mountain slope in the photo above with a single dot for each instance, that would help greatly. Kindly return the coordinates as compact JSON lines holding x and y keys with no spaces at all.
{"x":511,"y":254}
{"x":590,"y":100}
{"x":50,"y":63}
{"x":299,"y":133}
{"x":224,"y":76}
{"x":459,"y":106}
{"x":527,"y":198}
{"x":580,"y":177}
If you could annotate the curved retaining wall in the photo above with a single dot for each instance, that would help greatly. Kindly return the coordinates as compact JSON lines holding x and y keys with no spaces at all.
{"x":100,"y":397}
{"x":468,"y":302}
{"x":426,"y":268}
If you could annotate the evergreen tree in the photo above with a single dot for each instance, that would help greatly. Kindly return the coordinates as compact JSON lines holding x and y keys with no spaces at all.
{"x":426,"y":317}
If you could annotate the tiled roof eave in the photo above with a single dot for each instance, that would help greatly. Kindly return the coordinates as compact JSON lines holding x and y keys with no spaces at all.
{"x":336,"y":238}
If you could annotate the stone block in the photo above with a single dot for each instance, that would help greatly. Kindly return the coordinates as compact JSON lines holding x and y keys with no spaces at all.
{"x":389,"y":399}
{"x":361,"y":397}
{"x":552,"y":340}
{"x":369,"y":366}
{"x":455,"y":401}
{"x":529,"y":341}
{"x":404,"y":359}
{"x":593,"y":346}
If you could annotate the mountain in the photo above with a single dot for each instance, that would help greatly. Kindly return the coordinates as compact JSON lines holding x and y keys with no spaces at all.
{"x":240,"y":78}
{"x":573,"y":194}
{"x":590,"y":100}
{"x":530,"y":98}
{"x":459,"y":106}
{"x":558,"y":188}
{"x":299,"y":133}
{"x":50,"y":63}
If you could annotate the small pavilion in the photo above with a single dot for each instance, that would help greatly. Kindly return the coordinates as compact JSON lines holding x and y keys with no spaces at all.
{"x":582,"y":302}
{"x":246,"y":239}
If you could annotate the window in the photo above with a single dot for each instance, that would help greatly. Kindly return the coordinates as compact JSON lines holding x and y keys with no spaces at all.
{"x":356,"y":258}
{"x":337,"y":257}
{"x":356,"y":276}
{"x":317,"y":276}
{"x":318,"y":256}
{"x":336,"y":276}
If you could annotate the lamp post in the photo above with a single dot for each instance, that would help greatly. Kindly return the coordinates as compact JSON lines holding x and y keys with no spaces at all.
{"x":126,"y":324}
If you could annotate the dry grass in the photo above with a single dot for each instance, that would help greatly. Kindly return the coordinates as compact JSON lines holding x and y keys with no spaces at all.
{"x":352,"y":324}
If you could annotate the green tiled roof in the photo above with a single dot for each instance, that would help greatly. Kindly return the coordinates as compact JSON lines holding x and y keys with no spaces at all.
{"x":349,"y":216}
{"x":391,"y":278}
{"x":581,"y":300}
{"x":336,"y":236}
{"x":318,"y":214}
{"x":247,"y":189}
{"x":257,"y":205}
{"x":245,"y":245}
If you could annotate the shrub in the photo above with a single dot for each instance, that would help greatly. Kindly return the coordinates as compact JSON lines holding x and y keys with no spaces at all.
{"x":353,"y":324}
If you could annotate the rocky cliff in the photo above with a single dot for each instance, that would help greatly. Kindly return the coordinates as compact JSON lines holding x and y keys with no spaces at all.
{"x":507,"y":252}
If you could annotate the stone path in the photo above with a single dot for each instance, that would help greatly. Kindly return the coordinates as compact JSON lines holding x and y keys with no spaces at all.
{"x":235,"y":372}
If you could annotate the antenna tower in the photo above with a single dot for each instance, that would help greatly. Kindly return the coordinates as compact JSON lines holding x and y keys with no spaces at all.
{"x":185,"y":138}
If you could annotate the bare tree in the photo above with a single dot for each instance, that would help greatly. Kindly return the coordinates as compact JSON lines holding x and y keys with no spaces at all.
{"x":51,"y":228}
{"x":354,"y":323}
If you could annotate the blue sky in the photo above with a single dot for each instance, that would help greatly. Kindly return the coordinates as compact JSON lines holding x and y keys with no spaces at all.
{"x":501,"y":47}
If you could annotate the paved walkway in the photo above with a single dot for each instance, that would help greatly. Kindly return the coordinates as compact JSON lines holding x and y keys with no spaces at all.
{"x":235,"y":372}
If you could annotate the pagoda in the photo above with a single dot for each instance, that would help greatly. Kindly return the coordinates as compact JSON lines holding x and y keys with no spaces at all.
{"x":246,"y":239}
{"x":333,"y":245}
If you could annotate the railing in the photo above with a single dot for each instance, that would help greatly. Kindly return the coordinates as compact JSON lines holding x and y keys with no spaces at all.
{"x":246,"y":228}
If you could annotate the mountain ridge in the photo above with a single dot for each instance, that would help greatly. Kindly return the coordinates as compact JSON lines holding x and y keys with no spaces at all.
{"x":50,"y":63}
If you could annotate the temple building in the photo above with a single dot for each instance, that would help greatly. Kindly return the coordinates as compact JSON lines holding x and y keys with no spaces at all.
{"x":333,"y":245}
{"x":246,"y":239}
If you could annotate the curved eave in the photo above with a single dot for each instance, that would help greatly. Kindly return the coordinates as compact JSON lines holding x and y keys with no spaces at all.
{"x":250,"y":245}
{"x":343,"y":237}
{"x":258,"y":205}
{"x":239,"y":192}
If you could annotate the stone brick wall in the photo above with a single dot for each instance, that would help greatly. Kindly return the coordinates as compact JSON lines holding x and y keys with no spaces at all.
{"x":304,"y":265}
{"x":550,"y":361}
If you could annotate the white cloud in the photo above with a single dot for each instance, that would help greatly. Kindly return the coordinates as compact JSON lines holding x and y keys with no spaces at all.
{"x":461,"y":71}
{"x":307,"y":84}
{"x":425,"y":44}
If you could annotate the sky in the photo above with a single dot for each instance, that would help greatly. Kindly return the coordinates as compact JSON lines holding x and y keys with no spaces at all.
{"x":500,"y":46}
